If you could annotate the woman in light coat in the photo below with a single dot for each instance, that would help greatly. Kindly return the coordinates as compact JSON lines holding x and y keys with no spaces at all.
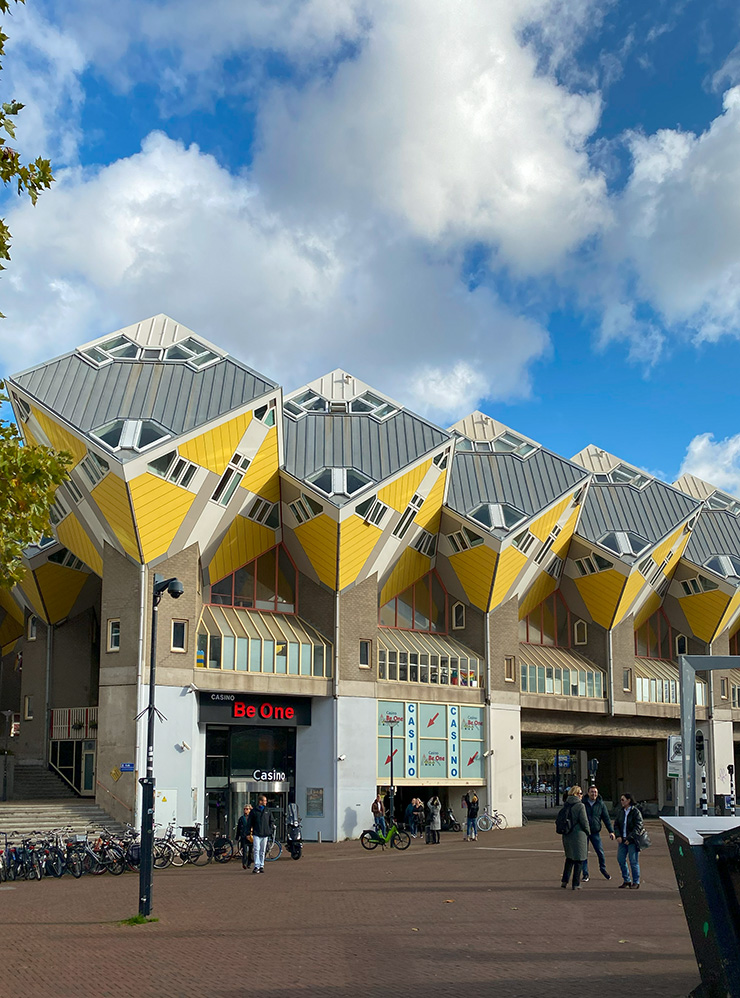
{"x":575,"y":842}
{"x":435,"y":818}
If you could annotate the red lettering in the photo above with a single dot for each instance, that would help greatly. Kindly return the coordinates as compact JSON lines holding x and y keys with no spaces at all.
{"x":251,"y":711}
{"x":289,"y":713}
{"x":279,"y":714}
{"x":266,"y":710}
{"x":239,"y":709}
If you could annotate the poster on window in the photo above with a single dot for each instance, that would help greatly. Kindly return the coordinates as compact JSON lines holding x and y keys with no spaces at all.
{"x":386,"y":753}
{"x":432,"y":758}
{"x":472,"y":734}
{"x":432,"y":720}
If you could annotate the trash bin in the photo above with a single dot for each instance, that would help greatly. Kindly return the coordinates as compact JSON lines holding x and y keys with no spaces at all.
{"x":705,"y":852}
{"x":723,"y":805}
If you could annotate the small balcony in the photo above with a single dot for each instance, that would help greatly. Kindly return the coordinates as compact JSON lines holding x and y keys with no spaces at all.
{"x":73,"y":723}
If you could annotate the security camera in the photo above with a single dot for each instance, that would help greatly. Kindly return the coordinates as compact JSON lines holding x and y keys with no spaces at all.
{"x":184,"y":746}
{"x":176,"y":589}
{"x":341,"y":758}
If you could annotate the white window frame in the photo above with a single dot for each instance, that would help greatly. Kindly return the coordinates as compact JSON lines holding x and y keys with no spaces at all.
{"x":369,"y":646}
{"x":113,"y":644}
{"x":523,"y":541}
{"x":580,"y":637}
{"x":230,"y":480}
{"x":74,"y":490}
{"x":57,"y":510}
{"x":32,"y":627}
{"x":261,"y":510}
{"x":179,"y":649}
{"x":425,"y":543}
{"x":24,"y":409}
{"x":302,"y":510}
{"x":267,"y":413}
{"x":94,"y":467}
{"x":554,"y":567}
{"x":455,"y":607}
{"x":28,"y":707}
{"x":407,"y":517}
{"x":179,"y":471}
{"x":375,"y":511}
{"x":460,"y":540}
{"x":509,"y":668}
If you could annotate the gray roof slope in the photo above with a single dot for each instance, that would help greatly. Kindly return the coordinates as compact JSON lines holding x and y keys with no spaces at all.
{"x":175,"y":395}
{"x":530,"y":484}
{"x":651,"y":512}
{"x":379,"y":450}
{"x":716,"y":532}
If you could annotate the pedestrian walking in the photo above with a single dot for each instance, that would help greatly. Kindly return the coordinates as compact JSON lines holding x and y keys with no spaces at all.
{"x":434,"y":806}
{"x":244,"y":838}
{"x":572,"y":823}
{"x":473,"y":804}
{"x":597,"y":814}
{"x":378,"y":809}
{"x":261,"y":826}
{"x":630,"y":830}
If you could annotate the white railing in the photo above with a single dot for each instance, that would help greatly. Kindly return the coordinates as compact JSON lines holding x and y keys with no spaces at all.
{"x":74,"y":722}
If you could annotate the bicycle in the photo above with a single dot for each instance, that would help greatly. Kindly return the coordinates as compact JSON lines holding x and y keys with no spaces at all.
{"x":395,"y":837}
{"x":199,"y":851}
{"x":274,"y":848}
{"x":494,"y":819}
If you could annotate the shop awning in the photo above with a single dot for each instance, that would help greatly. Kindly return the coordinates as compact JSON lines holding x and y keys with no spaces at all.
{"x":239,"y":640}
{"x":419,"y":657}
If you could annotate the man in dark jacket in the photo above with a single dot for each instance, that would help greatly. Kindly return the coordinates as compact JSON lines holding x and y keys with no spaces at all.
{"x":243,"y":836}
{"x":597,"y":813}
{"x":261,"y":825}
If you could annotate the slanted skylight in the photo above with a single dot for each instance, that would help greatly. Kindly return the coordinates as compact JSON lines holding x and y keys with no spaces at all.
{"x":726,"y":565}
{"x":623,"y":542}
{"x":339,"y":481}
{"x":720,"y":500}
{"x":505,"y":443}
{"x":373,"y":405}
{"x":624,"y":475}
{"x":499,"y":515}
{"x":130,"y":434}
{"x":189,"y":351}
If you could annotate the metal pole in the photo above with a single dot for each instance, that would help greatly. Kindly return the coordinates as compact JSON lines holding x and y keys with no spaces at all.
{"x":392,"y":802}
{"x":146,"y":867}
{"x":557,"y":777}
{"x":731,"y":771}
{"x":703,"y":801}
{"x":8,"y":714}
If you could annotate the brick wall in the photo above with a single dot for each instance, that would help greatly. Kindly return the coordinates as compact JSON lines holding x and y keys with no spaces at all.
{"x":504,"y":640}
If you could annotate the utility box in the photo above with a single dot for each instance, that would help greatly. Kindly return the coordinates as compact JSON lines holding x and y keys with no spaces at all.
{"x":705,"y":852}
{"x":723,"y":805}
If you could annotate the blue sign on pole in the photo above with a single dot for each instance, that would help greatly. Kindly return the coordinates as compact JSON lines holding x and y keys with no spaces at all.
{"x":564,"y":760}
{"x":126,"y":767}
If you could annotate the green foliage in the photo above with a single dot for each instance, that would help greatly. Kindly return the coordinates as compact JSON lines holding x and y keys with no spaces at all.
{"x":137,"y":920}
{"x":31,"y":178}
{"x":29,"y":477}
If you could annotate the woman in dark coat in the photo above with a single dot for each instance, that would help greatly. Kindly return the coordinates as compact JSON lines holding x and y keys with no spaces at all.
{"x":628,"y":825}
{"x":575,"y":842}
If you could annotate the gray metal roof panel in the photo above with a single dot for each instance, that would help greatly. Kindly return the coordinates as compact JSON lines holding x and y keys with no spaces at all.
{"x":715,"y":532}
{"x":378,"y":449}
{"x":651,"y":512}
{"x":177,"y":396}
{"x":529,"y":484}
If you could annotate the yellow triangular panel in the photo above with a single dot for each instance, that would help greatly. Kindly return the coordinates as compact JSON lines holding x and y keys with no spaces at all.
{"x":601,"y":593}
{"x":60,"y":438}
{"x":357,"y":540}
{"x":11,"y":621}
{"x":665,"y":546}
{"x":29,"y":437}
{"x":542,"y":526}
{"x":728,"y":614}
{"x":318,"y":539}
{"x":474,"y":569}
{"x":430,"y":513}
{"x":10,"y":606}
{"x":214,"y":449}
{"x":410,"y":567}
{"x":60,"y":587}
{"x":398,"y":493}
{"x":652,"y":603}
{"x":112,"y":498}
{"x":704,"y":611}
{"x":262,"y":474}
{"x":243,"y":541}
{"x":71,"y":534}
{"x":541,"y":588}
{"x":510,"y":563}
{"x":31,"y":592}
{"x":159,"y":508}
{"x":562,"y":542}
{"x":635,"y":582}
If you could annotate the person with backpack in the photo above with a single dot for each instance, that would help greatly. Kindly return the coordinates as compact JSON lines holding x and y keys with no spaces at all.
{"x":572,"y":824}
{"x":597,"y":813}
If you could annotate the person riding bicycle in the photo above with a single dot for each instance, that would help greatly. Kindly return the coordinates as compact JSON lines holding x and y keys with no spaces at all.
{"x":262,"y":827}
{"x":473,"y":804}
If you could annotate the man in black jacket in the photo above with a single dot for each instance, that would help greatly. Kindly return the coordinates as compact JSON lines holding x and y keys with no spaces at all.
{"x":262,"y":827}
{"x":597,"y":813}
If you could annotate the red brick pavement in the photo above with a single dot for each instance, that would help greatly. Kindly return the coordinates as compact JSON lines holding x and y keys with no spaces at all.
{"x":437,"y":920}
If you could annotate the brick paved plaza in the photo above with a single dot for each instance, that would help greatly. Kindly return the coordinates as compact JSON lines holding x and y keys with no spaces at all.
{"x":486,"y":919}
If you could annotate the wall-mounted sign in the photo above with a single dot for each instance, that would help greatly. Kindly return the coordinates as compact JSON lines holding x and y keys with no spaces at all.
{"x":314,"y":802}
{"x":238,"y":708}
{"x":126,"y":767}
{"x":269,"y":776}
{"x":431,"y":741}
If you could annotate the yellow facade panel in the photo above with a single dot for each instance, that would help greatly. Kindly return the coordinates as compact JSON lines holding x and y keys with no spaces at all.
{"x":398,"y":493}
{"x":562,"y":541}
{"x":243,"y":541}
{"x":430,"y":513}
{"x":318,"y":538}
{"x":652,"y":603}
{"x":112,"y":498}
{"x":214,"y":449}
{"x":262,"y":475}
{"x":31,"y":591}
{"x":356,"y":542}
{"x":10,"y":631}
{"x":704,"y":611}
{"x":728,"y":615}
{"x":665,"y":546}
{"x":72,"y":535}
{"x":543,"y":525}
{"x":60,"y":588}
{"x":475,"y":569}
{"x":159,"y":508}
{"x":410,"y":567}
{"x":635,"y":583}
{"x":11,"y":608}
{"x":510,"y":563}
{"x":60,"y":438}
{"x":601,"y":593}
{"x":542,"y":587}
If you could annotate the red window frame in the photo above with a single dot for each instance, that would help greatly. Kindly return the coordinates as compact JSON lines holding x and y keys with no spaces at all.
{"x":663,"y":622}
{"x":539,"y":610}
{"x":278,"y":548}
{"x":421,"y":630}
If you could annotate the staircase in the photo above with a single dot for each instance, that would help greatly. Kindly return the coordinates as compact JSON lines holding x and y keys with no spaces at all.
{"x":26,"y":817}
{"x":36,"y":782}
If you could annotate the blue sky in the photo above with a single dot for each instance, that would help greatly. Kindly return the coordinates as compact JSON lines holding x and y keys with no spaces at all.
{"x":524,"y":206}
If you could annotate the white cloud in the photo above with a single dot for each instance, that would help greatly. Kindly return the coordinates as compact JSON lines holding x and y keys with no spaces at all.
{"x":714,"y":461}
{"x":170,"y":230}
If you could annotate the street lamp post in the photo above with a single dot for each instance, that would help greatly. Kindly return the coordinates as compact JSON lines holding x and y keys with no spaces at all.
{"x":175,"y":588}
{"x":8,"y":715}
